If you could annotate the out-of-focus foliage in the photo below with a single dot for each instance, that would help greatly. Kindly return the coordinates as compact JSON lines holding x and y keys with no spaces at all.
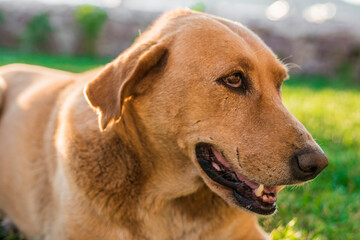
{"x":286,"y":232}
{"x":10,"y":236}
{"x":2,"y":19}
{"x":37,"y":32}
{"x":91,"y":19}
{"x":199,"y":6}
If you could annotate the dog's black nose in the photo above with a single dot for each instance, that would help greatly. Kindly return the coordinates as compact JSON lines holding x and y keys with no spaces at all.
{"x":308,"y":165}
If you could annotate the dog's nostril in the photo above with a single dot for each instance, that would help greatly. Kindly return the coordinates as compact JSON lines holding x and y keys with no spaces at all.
{"x":309,"y":165}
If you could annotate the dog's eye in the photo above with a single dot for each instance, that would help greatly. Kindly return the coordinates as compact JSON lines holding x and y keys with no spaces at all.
{"x":234,"y":80}
{"x":237,"y":82}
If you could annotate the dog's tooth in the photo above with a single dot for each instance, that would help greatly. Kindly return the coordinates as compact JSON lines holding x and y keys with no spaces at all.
{"x":259,"y":190}
{"x":273,"y":198}
{"x":217,"y":167}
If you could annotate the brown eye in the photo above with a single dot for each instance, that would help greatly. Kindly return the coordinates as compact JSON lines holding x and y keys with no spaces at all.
{"x":234,"y":80}
{"x":237,"y":82}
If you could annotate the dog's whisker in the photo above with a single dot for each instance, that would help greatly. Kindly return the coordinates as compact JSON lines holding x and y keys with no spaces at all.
{"x":290,"y":66}
{"x":285,"y":58}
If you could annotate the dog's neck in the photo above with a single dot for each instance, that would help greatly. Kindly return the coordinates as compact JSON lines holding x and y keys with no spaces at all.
{"x":153,"y":189}
{"x":127,"y":182}
{"x":167,"y":178}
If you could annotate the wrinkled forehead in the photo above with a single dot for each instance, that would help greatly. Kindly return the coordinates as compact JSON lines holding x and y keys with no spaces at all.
{"x":211,"y":45}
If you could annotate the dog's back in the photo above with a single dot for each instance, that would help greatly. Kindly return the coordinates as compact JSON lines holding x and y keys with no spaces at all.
{"x":28,"y":96}
{"x":2,"y":93}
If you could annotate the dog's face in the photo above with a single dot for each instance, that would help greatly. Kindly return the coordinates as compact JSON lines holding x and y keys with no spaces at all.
{"x":214,"y":93}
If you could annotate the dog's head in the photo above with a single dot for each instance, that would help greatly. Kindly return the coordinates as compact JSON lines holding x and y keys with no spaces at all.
{"x":209,"y":90}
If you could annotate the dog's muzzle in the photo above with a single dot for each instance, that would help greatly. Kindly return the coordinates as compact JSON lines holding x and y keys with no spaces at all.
{"x":250,"y":195}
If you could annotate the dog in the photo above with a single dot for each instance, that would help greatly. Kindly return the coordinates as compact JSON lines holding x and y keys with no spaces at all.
{"x":183,"y":136}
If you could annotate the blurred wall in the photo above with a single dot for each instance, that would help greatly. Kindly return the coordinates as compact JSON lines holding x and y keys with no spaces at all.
{"x":314,"y":47}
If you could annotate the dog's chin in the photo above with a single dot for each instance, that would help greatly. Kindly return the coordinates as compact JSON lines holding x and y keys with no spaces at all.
{"x":254,"y":197}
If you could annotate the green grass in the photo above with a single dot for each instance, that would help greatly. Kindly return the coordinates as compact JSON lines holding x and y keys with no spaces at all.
{"x":329,"y":206}
{"x":62,"y":62}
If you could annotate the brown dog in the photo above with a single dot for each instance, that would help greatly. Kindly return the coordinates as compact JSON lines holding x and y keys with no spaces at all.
{"x":190,"y":141}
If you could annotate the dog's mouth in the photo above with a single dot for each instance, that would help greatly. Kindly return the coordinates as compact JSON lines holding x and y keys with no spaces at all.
{"x":250,"y":195}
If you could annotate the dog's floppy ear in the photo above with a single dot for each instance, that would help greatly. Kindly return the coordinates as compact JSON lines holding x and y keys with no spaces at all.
{"x":108,"y":92}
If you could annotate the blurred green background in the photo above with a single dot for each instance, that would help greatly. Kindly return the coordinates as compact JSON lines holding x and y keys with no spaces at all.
{"x":327,"y":104}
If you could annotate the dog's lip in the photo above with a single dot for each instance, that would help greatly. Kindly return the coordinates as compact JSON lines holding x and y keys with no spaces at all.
{"x":221,"y":159}
{"x":256,"y":197}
